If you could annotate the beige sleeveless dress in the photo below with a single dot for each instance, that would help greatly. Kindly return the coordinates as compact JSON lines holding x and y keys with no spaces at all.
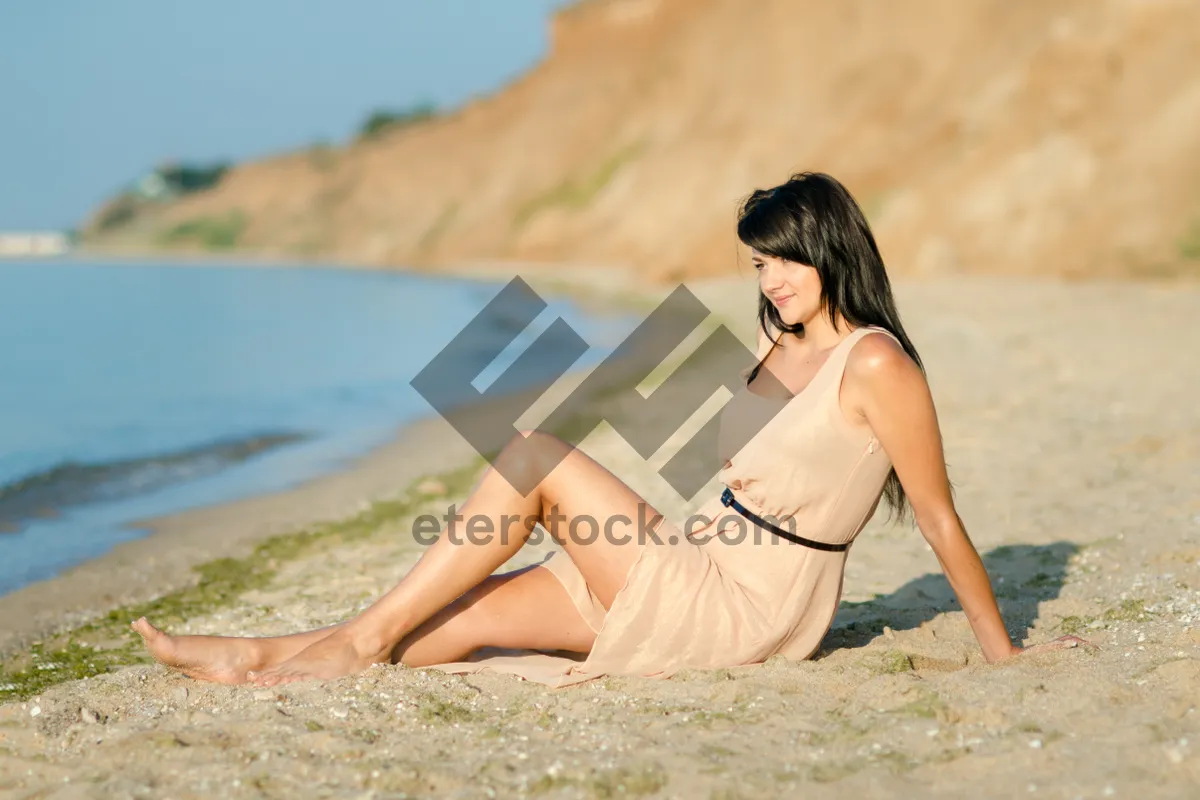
{"x":718,"y":590}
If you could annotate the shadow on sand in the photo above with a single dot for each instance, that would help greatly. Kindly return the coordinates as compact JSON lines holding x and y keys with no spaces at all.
{"x":1023,"y":577}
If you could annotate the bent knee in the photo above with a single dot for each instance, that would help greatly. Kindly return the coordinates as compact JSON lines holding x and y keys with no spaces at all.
{"x":530,"y":456}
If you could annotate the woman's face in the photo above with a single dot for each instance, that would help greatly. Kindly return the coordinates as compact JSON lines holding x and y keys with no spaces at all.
{"x":793,"y":288}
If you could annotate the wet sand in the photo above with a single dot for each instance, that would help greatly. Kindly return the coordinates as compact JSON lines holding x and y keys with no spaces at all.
{"x":1068,"y":414}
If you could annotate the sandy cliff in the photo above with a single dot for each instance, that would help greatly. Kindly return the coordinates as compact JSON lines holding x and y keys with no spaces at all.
{"x":985,"y":136}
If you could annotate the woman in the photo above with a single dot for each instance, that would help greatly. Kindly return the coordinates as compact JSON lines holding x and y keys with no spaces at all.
{"x":848,"y":419}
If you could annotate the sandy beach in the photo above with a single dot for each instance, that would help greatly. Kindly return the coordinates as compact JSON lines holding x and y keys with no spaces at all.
{"x":1068,"y":415}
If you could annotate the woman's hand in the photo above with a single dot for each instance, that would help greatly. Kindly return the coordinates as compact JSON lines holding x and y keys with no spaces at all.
{"x":1061,"y":643}
{"x":890,"y":391}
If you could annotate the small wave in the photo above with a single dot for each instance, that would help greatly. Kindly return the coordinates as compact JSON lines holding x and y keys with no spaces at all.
{"x":47,"y":493}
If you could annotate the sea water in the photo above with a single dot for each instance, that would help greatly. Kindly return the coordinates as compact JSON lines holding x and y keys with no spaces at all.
{"x":135,"y":390}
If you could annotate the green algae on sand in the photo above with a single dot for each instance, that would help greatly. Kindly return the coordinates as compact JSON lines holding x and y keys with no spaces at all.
{"x":105,"y":643}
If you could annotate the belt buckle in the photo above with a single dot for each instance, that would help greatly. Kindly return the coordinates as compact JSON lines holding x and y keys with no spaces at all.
{"x":727,"y":497}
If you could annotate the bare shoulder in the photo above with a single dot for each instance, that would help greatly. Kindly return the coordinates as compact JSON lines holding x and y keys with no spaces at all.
{"x":877,"y":367}
{"x":877,"y":354}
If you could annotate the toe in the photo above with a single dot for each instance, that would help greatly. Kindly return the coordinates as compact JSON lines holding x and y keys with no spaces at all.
{"x":262,"y":678}
{"x":145,"y":629}
{"x":161,"y":646}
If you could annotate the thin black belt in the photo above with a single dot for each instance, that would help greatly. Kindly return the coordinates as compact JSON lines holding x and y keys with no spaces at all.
{"x":727,"y":500}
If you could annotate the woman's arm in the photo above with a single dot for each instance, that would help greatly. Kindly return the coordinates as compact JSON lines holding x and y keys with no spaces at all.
{"x":891,"y":393}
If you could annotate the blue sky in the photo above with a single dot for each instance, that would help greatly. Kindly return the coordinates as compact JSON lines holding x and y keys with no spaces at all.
{"x":94,"y":94}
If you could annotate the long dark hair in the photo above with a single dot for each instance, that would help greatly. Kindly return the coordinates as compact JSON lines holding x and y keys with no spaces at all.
{"x":813,"y":219}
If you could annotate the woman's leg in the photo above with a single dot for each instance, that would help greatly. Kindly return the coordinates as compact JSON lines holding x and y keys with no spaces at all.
{"x":524,"y":609}
{"x":596,"y":518}
{"x":527,"y":609}
{"x":224,"y":659}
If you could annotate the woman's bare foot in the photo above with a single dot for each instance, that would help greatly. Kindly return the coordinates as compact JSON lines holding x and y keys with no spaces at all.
{"x":219,"y":659}
{"x":335,"y":656}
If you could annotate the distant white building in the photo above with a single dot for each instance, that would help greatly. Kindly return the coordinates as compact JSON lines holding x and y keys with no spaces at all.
{"x":34,"y":243}
{"x":153,"y":186}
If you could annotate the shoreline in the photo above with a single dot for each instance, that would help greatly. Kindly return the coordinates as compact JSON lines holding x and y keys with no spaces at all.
{"x":164,"y":558}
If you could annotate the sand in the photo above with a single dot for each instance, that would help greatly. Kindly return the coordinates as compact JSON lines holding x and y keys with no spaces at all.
{"x":1068,"y":414}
